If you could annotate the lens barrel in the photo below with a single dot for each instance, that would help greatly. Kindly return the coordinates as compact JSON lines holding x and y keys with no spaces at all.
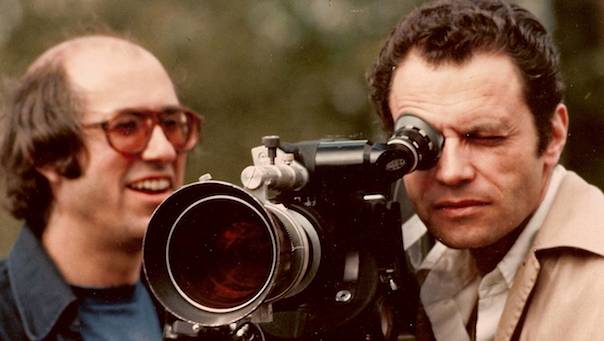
{"x":213,"y":253}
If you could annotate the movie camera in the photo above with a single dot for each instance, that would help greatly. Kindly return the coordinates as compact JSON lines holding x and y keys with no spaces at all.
{"x":309,"y":249}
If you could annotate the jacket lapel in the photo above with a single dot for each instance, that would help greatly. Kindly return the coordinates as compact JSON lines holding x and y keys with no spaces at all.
{"x":525,"y":280}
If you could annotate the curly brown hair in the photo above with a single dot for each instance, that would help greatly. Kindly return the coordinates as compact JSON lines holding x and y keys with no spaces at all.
{"x":454,"y":30}
{"x":40,"y":129}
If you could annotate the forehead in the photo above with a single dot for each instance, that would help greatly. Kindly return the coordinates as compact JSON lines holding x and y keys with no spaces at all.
{"x":486,"y":87}
{"x":116,"y":75}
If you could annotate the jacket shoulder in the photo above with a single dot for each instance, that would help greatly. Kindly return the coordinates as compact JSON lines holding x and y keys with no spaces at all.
{"x":568,"y":289}
{"x":575,"y":219}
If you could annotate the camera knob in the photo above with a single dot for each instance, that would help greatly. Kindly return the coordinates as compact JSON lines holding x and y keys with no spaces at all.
{"x":271,"y":143}
{"x":252,"y":177}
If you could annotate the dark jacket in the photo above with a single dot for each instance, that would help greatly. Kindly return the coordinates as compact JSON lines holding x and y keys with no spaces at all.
{"x":35,"y":301}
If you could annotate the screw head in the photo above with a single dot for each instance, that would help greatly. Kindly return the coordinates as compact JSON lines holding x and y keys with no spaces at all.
{"x":343,"y":296}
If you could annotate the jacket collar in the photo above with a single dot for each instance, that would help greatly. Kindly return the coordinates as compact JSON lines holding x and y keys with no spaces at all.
{"x":574,"y":221}
{"x":575,"y":218}
{"x":42,"y":296}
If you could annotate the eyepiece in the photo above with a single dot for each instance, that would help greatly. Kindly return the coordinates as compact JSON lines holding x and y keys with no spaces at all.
{"x":424,"y":142}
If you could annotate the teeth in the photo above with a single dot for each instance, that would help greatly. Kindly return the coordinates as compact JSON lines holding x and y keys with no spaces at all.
{"x":155,"y":185}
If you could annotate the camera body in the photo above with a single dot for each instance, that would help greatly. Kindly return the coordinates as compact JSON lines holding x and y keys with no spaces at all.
{"x":309,"y":249}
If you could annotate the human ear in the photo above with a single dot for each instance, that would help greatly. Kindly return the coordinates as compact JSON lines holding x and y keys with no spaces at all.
{"x":51,"y":173}
{"x":559,"y":131}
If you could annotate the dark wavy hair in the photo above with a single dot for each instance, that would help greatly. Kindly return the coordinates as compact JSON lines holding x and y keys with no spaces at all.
{"x":40,"y":129}
{"x":454,"y":30}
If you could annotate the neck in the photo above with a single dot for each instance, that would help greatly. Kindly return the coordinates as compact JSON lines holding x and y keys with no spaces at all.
{"x":86,"y":261}
{"x":488,"y":257}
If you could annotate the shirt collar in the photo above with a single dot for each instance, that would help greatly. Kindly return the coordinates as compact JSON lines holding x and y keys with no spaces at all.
{"x":41,"y":294}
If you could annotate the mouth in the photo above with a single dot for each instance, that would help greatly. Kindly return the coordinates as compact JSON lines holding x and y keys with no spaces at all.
{"x":457,"y":208}
{"x":459,"y":204}
{"x":151,"y":185}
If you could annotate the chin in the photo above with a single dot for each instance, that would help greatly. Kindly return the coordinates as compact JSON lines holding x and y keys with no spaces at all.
{"x":464,"y":244}
{"x":138,"y":227}
{"x":464,"y":239}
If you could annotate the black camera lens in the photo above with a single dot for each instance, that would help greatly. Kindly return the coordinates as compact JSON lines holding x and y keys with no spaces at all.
{"x":220,"y":253}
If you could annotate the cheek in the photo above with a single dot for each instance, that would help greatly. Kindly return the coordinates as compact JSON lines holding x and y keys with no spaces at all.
{"x":527,"y":185}
{"x":496,"y":160}
{"x":108,"y":166}
{"x":416,"y":184}
{"x":106,"y":173}
{"x":102,"y":160}
{"x":517,"y":184}
{"x":180,"y":165}
{"x":515,"y":174}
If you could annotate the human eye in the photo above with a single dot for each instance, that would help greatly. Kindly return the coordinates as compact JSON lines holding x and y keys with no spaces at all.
{"x":127,"y":124}
{"x":173,"y":121}
{"x":486,"y":138}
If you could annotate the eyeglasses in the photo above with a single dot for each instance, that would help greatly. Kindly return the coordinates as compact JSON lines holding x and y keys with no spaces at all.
{"x":129,"y":130}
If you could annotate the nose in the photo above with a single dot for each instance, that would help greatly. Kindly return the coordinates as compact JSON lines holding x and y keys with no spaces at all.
{"x":454,"y":167}
{"x":159,"y":148}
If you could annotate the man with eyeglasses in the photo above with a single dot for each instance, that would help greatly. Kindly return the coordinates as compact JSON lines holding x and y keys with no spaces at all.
{"x":94,"y":138}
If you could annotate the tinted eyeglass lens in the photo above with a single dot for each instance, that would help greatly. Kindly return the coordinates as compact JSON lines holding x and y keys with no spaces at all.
{"x":130,"y":132}
{"x":177,"y":127}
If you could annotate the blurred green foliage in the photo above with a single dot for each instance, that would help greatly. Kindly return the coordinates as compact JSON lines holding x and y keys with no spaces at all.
{"x":580,"y":36}
{"x":295,"y":68}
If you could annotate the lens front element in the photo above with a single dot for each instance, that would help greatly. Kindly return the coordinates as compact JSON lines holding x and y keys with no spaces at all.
{"x":221,"y":253}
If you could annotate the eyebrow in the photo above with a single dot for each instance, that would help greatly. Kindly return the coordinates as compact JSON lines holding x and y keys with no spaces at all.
{"x":486,"y":124}
{"x":160,"y":109}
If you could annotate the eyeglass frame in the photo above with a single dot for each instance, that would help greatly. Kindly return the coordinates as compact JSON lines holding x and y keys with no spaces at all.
{"x":197,"y":120}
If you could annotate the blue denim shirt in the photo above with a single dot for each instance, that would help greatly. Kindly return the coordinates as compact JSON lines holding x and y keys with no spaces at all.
{"x":35,"y":301}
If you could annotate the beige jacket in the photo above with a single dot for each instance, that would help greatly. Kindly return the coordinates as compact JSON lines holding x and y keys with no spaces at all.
{"x":558,"y":292}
